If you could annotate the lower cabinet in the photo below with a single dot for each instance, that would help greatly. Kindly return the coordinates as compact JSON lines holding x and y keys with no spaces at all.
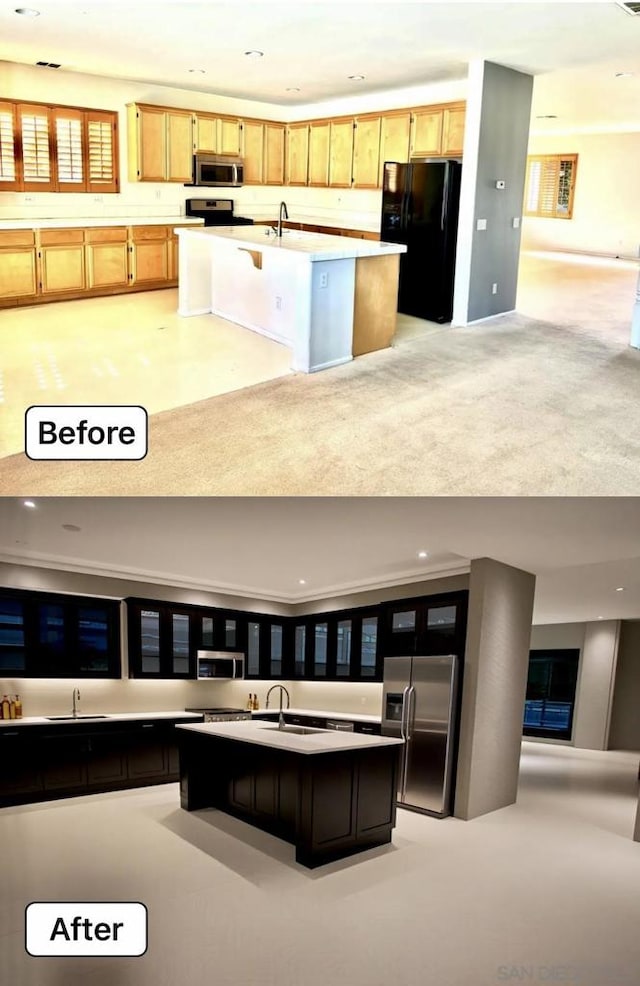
{"x":63,"y":264}
{"x":39,"y":763}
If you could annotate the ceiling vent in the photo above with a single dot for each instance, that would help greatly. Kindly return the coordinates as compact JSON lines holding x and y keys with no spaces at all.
{"x":630,"y":8}
{"x":57,"y":64}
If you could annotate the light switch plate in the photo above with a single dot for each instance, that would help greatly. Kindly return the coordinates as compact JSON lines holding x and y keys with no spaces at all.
{"x":481,"y":224}
{"x":516,"y":222}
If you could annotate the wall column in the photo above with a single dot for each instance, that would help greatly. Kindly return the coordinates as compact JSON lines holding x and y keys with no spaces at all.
{"x":594,"y":693}
{"x":495,"y":149}
{"x":494,"y":687}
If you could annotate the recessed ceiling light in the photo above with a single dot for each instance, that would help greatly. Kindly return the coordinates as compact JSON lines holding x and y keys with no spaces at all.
{"x":27,"y":12}
{"x":292,"y":89}
{"x":254,"y":53}
{"x":601,"y":617}
{"x":29,"y":503}
{"x":624,"y":75}
{"x":71,"y":527}
{"x":199,"y":71}
{"x":422,"y":554}
{"x":356,"y":78}
{"x":302,"y":581}
{"x":547,"y":116}
{"x":620,"y":588}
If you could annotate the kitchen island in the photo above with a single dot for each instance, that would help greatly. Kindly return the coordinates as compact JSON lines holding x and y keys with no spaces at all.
{"x":331,"y":794}
{"x":328,"y":298}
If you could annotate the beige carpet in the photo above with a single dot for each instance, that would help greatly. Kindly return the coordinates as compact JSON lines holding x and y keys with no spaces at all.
{"x":515,"y":406}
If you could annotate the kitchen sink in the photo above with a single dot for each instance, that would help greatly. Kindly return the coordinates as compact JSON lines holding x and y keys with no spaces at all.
{"x":71,"y":718}
{"x":301,"y":730}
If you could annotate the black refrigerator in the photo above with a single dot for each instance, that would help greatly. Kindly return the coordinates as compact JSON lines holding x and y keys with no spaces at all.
{"x":420,"y":203}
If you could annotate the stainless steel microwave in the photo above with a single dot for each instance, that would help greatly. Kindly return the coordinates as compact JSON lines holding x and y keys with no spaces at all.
{"x":214,"y":170}
{"x":219,"y":664}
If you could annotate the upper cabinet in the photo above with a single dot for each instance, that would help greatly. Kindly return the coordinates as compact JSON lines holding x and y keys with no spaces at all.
{"x":263,"y":153}
{"x":453,"y":131}
{"x":48,"y":636}
{"x":426,"y":133}
{"x":428,"y":625}
{"x":319,"y":136}
{"x":297,"y":154}
{"x":366,"y":152}
{"x":341,"y":153}
{"x":395,"y":132}
{"x":160,"y":144}
{"x":217,"y":134}
{"x":273,"y":171}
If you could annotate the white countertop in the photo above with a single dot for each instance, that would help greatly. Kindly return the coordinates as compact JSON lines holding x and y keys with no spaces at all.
{"x":108,"y":717}
{"x":79,"y":222}
{"x":310,"y":246}
{"x":349,"y":716}
{"x":264,"y":734}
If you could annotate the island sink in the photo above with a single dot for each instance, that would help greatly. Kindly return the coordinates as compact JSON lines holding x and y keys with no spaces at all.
{"x":300,"y":730}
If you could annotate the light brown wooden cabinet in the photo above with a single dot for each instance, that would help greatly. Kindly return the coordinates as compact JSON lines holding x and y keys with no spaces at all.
{"x":453,"y":131}
{"x":253,"y":152}
{"x":366,"y":153}
{"x":340,"y":153}
{"x":297,"y":154}
{"x":149,"y":256}
{"x":62,"y":261}
{"x":273,"y":173}
{"x":160,"y":143}
{"x":18,"y":275}
{"x":107,"y":257}
{"x":426,"y":133}
{"x":217,"y":134}
{"x":395,"y":131}
{"x":319,"y":134}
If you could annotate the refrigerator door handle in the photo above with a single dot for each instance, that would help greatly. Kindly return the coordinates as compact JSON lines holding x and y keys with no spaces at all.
{"x":411,"y":710}
{"x":445,"y":201}
{"x":403,"y":733}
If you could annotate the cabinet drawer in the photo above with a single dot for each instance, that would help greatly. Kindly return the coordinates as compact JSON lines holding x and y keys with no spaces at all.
{"x":16,"y":237}
{"x":112,"y":234}
{"x":58,"y":237}
{"x":139,"y":233}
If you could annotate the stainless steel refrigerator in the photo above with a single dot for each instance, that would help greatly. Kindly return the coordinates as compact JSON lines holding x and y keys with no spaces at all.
{"x":420,"y":203}
{"x":420,"y":705}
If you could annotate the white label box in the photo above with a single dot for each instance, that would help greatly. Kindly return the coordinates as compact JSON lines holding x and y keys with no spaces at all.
{"x":86,"y":928}
{"x":97,"y":431}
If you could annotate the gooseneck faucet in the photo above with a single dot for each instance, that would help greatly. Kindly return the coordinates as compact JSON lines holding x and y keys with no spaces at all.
{"x":76,"y":701}
{"x":281,"y":723}
{"x":283,"y":208}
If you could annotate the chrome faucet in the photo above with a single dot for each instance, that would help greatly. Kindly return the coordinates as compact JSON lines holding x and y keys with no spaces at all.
{"x":76,"y":701}
{"x":283,"y":208}
{"x":281,"y":722}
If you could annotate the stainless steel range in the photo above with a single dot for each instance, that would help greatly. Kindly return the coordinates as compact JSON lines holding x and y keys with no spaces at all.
{"x":221,"y":715}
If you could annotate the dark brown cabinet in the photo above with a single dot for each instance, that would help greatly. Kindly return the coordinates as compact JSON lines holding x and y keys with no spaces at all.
{"x":43,"y":635}
{"x":42,"y":762}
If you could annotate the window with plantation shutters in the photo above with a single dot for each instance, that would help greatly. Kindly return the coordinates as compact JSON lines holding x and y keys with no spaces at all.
{"x":101,"y":152}
{"x":550,"y":184}
{"x":8,"y":158}
{"x":57,"y":149}
{"x":34,"y":134}
{"x":69,"y":163}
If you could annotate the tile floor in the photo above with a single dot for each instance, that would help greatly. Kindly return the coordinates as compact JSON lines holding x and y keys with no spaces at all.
{"x":547,"y":890}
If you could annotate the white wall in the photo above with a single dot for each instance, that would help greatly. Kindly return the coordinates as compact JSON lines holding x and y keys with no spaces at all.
{"x":606,"y":203}
{"x":356,"y":208}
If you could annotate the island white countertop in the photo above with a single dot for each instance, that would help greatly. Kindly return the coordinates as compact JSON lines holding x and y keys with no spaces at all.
{"x":101,"y":717}
{"x":349,"y":716}
{"x":266,"y":734}
{"x":79,"y":222}
{"x":295,"y":243}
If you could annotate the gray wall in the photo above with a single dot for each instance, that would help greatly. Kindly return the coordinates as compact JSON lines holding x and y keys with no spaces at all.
{"x":498,"y":111}
{"x":624,"y":733}
{"x":494,"y":685}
